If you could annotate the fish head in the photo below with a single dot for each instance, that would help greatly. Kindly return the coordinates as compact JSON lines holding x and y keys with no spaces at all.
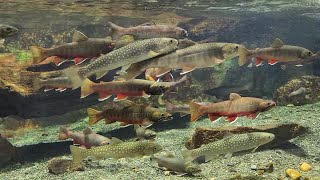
{"x":265,"y":105}
{"x":262,"y":137}
{"x":165,"y":45}
{"x":180,"y":33}
{"x":158,"y":115}
{"x":231,"y":50}
{"x":152,"y":148}
{"x":306,"y":54}
{"x":6,"y":31}
{"x":192,"y":168}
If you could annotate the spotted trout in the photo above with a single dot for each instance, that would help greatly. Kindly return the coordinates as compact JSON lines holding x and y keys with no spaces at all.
{"x":80,"y":48}
{"x":148,"y":30}
{"x":231,"y":109}
{"x":229,"y":145}
{"x":124,"y":56}
{"x":116,"y":150}
{"x":187,"y":59}
{"x":123,"y":89}
{"x":278,"y":52}
{"x":129,"y":113}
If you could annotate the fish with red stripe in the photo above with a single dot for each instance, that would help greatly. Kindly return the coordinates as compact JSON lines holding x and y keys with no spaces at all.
{"x":231,"y":109}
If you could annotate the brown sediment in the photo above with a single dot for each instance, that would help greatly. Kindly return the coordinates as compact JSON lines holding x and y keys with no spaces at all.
{"x":283,"y":133}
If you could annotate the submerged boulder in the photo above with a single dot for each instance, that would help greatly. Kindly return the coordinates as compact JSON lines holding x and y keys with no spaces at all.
{"x":299,"y":91}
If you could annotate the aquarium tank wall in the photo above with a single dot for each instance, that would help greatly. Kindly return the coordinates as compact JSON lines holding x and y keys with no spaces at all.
{"x":150,"y":89}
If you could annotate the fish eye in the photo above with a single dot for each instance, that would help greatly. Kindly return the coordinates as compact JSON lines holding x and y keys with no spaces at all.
{"x":171,"y":41}
{"x":8,"y":29}
{"x":309,"y":53}
{"x":236,"y":48}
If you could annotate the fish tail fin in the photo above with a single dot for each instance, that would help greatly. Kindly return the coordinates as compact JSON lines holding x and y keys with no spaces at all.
{"x":187,"y":155}
{"x":73,"y":74}
{"x":78,"y":154}
{"x":86,"y":89}
{"x":94,"y":116}
{"x":243,"y":56}
{"x":64,"y":133}
{"x":194,"y":111}
{"x":115,"y":30}
{"x":38,"y":54}
{"x":37,"y":84}
{"x":133,"y":71}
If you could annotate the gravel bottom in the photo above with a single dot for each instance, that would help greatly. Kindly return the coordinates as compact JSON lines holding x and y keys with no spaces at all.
{"x":174,"y":139}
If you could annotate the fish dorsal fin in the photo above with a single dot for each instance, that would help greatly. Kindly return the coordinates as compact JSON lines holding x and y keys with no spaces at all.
{"x":79,"y":36}
{"x":234,"y":96}
{"x":115,"y":140}
{"x":227,"y":135}
{"x":277,"y":43}
{"x":87,"y":130}
{"x":168,"y":154}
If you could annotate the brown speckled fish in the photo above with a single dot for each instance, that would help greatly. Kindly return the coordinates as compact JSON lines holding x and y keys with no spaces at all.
{"x":278,"y":52}
{"x":82,"y":47}
{"x":124,"y":56}
{"x":116,"y":150}
{"x":148,"y":31}
{"x":129,"y":113}
{"x":57,"y":83}
{"x":235,"y":107}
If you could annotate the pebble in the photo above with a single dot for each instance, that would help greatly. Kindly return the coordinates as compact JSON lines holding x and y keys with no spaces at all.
{"x":293,"y":174}
{"x":305,"y":167}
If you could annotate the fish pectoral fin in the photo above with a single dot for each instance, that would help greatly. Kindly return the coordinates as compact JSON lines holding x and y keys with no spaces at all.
{"x":100,"y":74}
{"x":228,"y":155}
{"x":152,"y":54}
{"x":115,"y":140}
{"x":272,"y":61}
{"x":79,"y":36}
{"x":255,"y":149}
{"x":121,"y":96}
{"x":162,"y":71}
{"x":124,"y":68}
{"x":231,"y":119}
{"x":186,"y":70}
{"x":277,"y":43}
{"x":146,"y":123}
{"x":234,"y":96}
{"x":259,"y":61}
{"x":179,"y":174}
{"x":253,"y":116}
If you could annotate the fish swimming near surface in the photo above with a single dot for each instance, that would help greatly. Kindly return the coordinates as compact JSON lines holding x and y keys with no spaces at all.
{"x":6,"y":31}
{"x":124,"y":56}
{"x":233,"y":108}
{"x":87,"y":138}
{"x":80,"y":48}
{"x":57,"y":83}
{"x":8,"y":152}
{"x":278,"y":52}
{"x":116,"y":150}
{"x":148,"y":30}
{"x":129,"y":113}
{"x":178,"y":165}
{"x":230,"y":144}
{"x":187,"y":59}
{"x":132,"y":87}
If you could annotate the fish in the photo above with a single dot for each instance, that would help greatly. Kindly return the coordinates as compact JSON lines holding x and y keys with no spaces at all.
{"x":80,"y":48}
{"x":183,"y":109}
{"x":301,"y":62}
{"x":144,"y":133}
{"x":8,"y":152}
{"x":116,"y":150}
{"x":57,"y":83}
{"x":301,"y":90}
{"x":223,"y":92}
{"x":233,"y":108}
{"x":178,"y":165}
{"x":6,"y":31}
{"x":278,"y":52}
{"x":87,"y":138}
{"x":129,"y":113}
{"x":190,"y":58}
{"x":123,"y":89}
{"x":124,"y":56}
{"x":148,"y":30}
{"x":230,"y":144}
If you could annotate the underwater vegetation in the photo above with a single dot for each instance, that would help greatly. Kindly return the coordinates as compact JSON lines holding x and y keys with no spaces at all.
{"x":180,"y":95}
